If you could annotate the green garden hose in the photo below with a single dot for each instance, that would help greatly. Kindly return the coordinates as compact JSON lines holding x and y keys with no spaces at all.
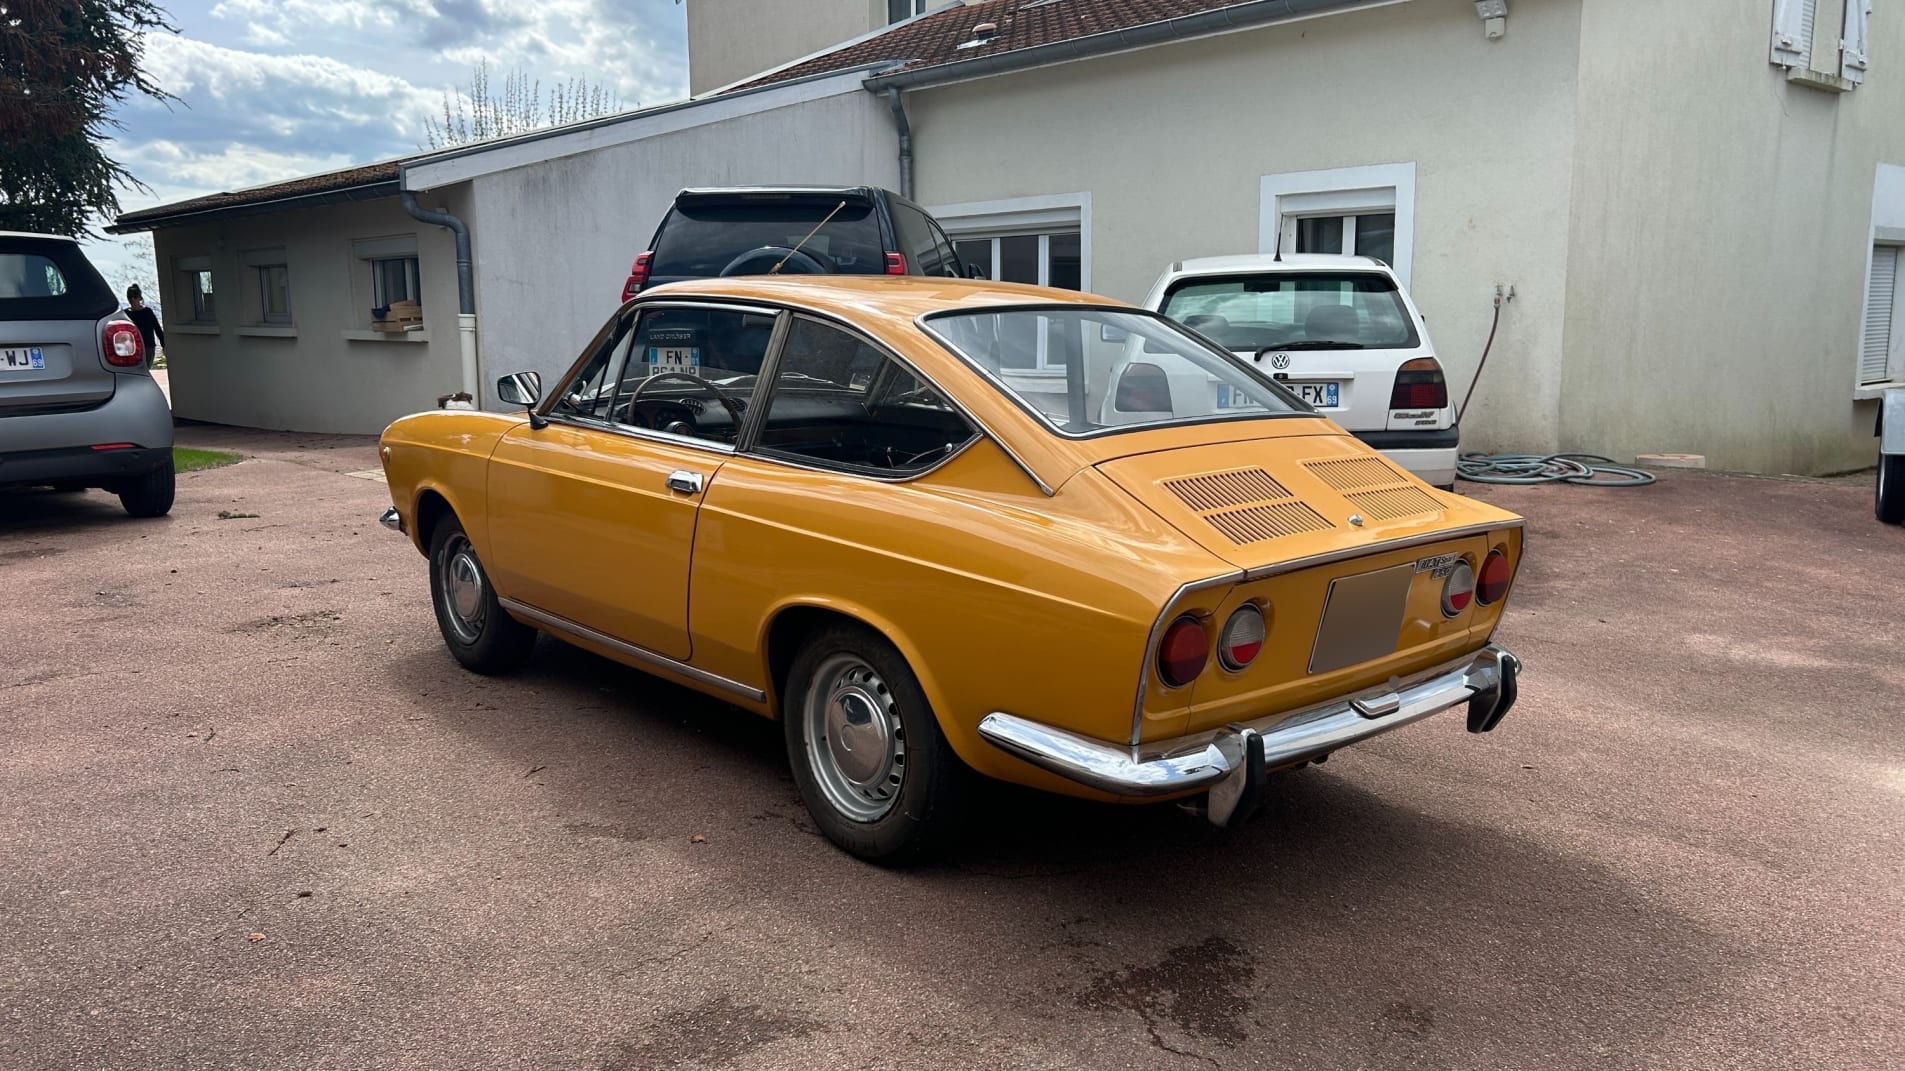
{"x":1591,"y":469}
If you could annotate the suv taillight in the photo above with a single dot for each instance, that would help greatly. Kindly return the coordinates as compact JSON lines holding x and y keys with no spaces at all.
{"x":637,"y":275}
{"x":1144,"y":388}
{"x":1419,"y":385}
{"x":895,"y":264}
{"x":121,"y":344}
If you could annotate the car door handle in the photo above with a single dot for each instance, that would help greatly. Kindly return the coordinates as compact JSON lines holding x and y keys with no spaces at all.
{"x":688,"y":483}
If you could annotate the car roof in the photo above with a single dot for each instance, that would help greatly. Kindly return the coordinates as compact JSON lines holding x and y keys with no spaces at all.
{"x":890,"y":298}
{"x":39,"y":237}
{"x":1268,"y":262}
{"x":717,"y":191}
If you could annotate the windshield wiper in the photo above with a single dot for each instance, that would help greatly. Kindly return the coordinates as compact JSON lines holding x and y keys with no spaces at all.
{"x":1314,"y":344}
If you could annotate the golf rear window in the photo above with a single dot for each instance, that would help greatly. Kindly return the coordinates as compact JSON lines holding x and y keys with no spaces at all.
{"x":703,"y":237}
{"x":46,"y":279}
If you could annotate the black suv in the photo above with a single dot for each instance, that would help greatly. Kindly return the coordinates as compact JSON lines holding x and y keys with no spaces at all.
{"x":805,"y":230}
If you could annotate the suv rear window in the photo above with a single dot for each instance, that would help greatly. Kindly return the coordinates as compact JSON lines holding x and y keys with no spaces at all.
{"x":1312,"y":310}
{"x":47,"y":279}
{"x":701,"y":238}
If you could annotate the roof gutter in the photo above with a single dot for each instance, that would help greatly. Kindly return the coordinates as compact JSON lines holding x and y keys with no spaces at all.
{"x":1242,"y":16}
{"x":365,"y":192}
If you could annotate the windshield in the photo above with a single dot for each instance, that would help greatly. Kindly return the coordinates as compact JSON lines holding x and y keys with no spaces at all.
{"x":1287,"y":310}
{"x":1086,"y":370}
{"x":703,"y":239}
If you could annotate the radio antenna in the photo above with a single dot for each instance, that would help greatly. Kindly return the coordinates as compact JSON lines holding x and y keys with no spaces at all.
{"x":776,"y":269}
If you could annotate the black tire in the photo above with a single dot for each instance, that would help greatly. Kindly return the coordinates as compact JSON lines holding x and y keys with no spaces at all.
{"x":476,"y":628}
{"x":900,"y":809}
{"x":150,"y":495}
{"x":1888,"y":500}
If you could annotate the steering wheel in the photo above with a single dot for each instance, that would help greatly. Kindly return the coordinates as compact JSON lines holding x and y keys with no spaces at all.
{"x":728,"y":401}
{"x":803,"y":262}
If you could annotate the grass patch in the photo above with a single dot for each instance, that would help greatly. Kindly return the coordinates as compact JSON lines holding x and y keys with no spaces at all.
{"x":186,"y":459}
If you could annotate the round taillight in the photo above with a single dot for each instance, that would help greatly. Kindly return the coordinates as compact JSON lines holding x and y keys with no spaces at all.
{"x":1185,"y":650}
{"x":1459,"y":589}
{"x":1242,"y":638}
{"x":1495,"y":578}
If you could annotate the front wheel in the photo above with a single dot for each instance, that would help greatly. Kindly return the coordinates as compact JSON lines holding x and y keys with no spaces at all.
{"x":1889,"y":500}
{"x":476,"y":628}
{"x":151,"y":494}
{"x":872,"y":766}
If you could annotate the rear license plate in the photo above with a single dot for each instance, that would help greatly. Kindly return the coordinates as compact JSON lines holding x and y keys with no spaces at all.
{"x":1320,"y":395}
{"x":30,"y":359}
{"x":1229,"y":397}
{"x":1362,"y":618}
{"x":673,"y":351}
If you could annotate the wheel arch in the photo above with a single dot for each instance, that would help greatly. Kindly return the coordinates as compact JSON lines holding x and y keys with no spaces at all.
{"x":788,"y":622}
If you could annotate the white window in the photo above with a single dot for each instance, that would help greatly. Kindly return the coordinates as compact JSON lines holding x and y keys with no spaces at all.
{"x":1040,"y":240}
{"x":1803,"y":33}
{"x":896,"y":10}
{"x":192,"y":289}
{"x":395,"y":279}
{"x":384,"y":272}
{"x":274,"y":294}
{"x":1881,"y":356}
{"x":1363,"y":211}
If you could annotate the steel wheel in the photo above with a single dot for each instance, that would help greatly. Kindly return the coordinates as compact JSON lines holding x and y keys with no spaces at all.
{"x":461,"y":589}
{"x":856,"y":743}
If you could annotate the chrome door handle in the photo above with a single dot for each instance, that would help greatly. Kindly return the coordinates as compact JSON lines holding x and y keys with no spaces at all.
{"x":688,"y":483}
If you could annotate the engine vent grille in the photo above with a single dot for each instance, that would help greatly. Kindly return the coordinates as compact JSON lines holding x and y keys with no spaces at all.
{"x":1219,"y":490}
{"x":1378,"y":490}
{"x":1354,"y":473}
{"x":1273,"y":520}
{"x":1389,"y":503}
{"x":1246,"y":505}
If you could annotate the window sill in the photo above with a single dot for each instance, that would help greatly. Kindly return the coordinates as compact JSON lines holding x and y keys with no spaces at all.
{"x":193,"y":329}
{"x":1820,"y":80}
{"x":1874,"y":391}
{"x":267,"y":331}
{"x":386,"y":336}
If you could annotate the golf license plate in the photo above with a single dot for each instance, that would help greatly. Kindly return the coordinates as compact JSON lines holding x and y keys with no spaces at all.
{"x":1320,"y":395}
{"x":29,"y":359}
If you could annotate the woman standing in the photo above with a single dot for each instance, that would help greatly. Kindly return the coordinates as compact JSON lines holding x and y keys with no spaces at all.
{"x":146,"y":321}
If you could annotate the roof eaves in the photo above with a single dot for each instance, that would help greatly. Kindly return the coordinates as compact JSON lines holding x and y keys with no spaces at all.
{"x":151,"y":219}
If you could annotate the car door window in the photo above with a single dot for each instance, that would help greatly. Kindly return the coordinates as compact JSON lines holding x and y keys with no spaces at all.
{"x":841,"y":402}
{"x":691,"y":371}
{"x":918,"y":240}
{"x":590,"y":392}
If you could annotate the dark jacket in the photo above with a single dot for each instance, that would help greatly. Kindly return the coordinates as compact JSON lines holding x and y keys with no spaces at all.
{"x":147,"y":322}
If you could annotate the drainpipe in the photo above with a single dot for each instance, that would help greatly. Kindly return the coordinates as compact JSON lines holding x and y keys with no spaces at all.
{"x":906,"y":140}
{"x":465,"y":290}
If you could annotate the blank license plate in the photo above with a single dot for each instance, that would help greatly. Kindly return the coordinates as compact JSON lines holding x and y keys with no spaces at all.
{"x":1320,"y":395}
{"x":31,"y":359}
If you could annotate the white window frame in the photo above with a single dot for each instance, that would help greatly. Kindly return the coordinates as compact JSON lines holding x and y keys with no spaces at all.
{"x":1343,"y":191}
{"x":365,"y":253}
{"x":190,"y":296}
{"x":1018,"y":216}
{"x":413,"y":277}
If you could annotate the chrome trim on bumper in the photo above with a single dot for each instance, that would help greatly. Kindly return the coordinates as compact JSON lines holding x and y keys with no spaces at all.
{"x":391,"y":519}
{"x":1201,"y":760}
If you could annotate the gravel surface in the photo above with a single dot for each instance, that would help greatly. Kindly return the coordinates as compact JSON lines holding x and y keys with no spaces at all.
{"x":255,"y":817}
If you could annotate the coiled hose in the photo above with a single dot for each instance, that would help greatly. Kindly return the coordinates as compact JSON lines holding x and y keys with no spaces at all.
{"x":1550,"y":468}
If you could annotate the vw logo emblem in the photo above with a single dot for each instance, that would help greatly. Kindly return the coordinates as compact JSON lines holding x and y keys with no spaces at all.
{"x":1281,"y":360}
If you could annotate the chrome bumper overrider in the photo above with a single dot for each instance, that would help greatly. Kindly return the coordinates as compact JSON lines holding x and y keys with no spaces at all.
{"x":1231,"y":761}
{"x":391,"y":519}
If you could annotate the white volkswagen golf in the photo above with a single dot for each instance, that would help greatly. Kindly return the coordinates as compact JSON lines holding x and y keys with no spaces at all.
{"x":1339,"y":331}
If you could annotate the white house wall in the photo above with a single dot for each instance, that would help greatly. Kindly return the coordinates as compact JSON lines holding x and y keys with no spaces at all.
{"x":554,"y":241}
{"x":307,"y":376}
{"x":1172,"y":144}
{"x":728,"y":40}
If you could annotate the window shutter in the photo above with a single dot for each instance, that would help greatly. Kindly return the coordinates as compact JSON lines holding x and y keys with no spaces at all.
{"x":1875,"y":356}
{"x":1852,"y":45}
{"x":1792,"y":31}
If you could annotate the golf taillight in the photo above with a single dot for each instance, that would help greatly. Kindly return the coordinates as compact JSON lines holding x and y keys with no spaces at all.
{"x":1458,"y":590}
{"x":1144,"y":388}
{"x":1497,"y":574}
{"x":895,"y":264}
{"x":122,"y":345}
{"x":1185,"y":650}
{"x":1419,"y":385}
{"x":1242,"y":638}
{"x":637,"y":275}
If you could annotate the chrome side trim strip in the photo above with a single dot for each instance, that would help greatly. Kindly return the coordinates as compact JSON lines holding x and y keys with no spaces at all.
{"x":646,"y":657}
{"x":1202,"y":759}
{"x":1404,"y":543}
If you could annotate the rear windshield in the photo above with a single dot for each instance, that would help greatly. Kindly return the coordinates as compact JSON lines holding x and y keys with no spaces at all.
{"x":705,"y":239}
{"x":46,"y":279}
{"x":1319,"y":310}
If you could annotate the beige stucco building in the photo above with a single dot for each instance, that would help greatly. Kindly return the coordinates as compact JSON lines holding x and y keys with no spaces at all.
{"x":1696,"y":206}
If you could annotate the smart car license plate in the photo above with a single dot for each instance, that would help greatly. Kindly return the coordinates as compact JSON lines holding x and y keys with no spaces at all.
{"x":30,"y":359}
{"x":1320,"y":395}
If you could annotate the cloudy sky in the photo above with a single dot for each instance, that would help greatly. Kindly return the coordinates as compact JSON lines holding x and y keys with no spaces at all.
{"x":271,"y":89}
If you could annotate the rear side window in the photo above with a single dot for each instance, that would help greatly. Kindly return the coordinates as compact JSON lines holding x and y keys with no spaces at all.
{"x":927,"y":252}
{"x":49,"y":280}
{"x":1311,"y":310}
{"x":703,"y":239}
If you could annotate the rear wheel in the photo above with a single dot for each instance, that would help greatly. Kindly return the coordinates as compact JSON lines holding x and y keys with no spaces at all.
{"x":871,"y":764}
{"x":1889,"y":500}
{"x":150,"y":495}
{"x":476,"y":628}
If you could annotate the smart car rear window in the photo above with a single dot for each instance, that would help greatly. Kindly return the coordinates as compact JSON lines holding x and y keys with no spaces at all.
{"x":47,"y":279}
{"x":703,"y":239}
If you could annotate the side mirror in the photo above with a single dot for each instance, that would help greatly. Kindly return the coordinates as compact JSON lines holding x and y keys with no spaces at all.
{"x":522,"y":388}
{"x":974,"y":271}
{"x":1108,"y":333}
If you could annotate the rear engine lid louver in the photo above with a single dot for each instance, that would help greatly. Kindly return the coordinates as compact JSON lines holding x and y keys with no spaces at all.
{"x":1246,"y":505}
{"x":1378,"y":491}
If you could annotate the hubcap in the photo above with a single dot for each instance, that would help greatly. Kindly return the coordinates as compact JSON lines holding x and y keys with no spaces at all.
{"x":856,"y":744}
{"x":462,"y":586}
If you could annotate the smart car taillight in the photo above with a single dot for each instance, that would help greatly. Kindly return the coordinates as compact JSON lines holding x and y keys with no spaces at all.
{"x":1185,"y":650}
{"x":122,"y":345}
{"x":1419,"y":385}
{"x":1242,"y":638}
{"x":1144,"y":388}
{"x":637,"y":275}
{"x":1458,"y":589}
{"x":1497,"y":574}
{"x":895,"y":264}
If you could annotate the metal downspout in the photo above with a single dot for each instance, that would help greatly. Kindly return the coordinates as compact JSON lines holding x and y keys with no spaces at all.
{"x":465,"y":290}
{"x":906,"y":140}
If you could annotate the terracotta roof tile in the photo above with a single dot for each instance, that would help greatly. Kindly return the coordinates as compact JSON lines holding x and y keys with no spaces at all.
{"x":328,"y":182}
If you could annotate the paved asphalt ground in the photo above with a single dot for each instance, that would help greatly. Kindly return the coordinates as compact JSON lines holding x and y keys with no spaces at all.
{"x":1685,"y":849}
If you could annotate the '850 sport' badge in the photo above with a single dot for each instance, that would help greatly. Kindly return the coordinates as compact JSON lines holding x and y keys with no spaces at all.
{"x":1440,"y":566}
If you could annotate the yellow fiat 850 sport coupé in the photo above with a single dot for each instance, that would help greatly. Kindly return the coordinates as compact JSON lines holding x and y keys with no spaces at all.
{"x":918,"y":522}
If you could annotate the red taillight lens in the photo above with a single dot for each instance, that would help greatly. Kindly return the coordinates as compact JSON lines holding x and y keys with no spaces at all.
{"x":1497,"y":574}
{"x":1242,"y":638}
{"x":1185,"y":650}
{"x":637,"y":275}
{"x":122,"y":345}
{"x":1144,"y":388}
{"x":895,"y":264}
{"x":1459,"y":589}
{"x":1419,"y":385}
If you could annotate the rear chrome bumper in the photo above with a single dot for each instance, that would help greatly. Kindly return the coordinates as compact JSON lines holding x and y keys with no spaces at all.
{"x":1241,"y":753}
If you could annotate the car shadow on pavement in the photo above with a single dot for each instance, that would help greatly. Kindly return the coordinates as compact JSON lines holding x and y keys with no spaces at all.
{"x":48,"y":512}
